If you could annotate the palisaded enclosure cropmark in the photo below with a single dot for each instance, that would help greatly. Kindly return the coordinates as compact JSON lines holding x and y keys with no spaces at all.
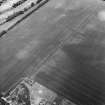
{"x":67,"y":64}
